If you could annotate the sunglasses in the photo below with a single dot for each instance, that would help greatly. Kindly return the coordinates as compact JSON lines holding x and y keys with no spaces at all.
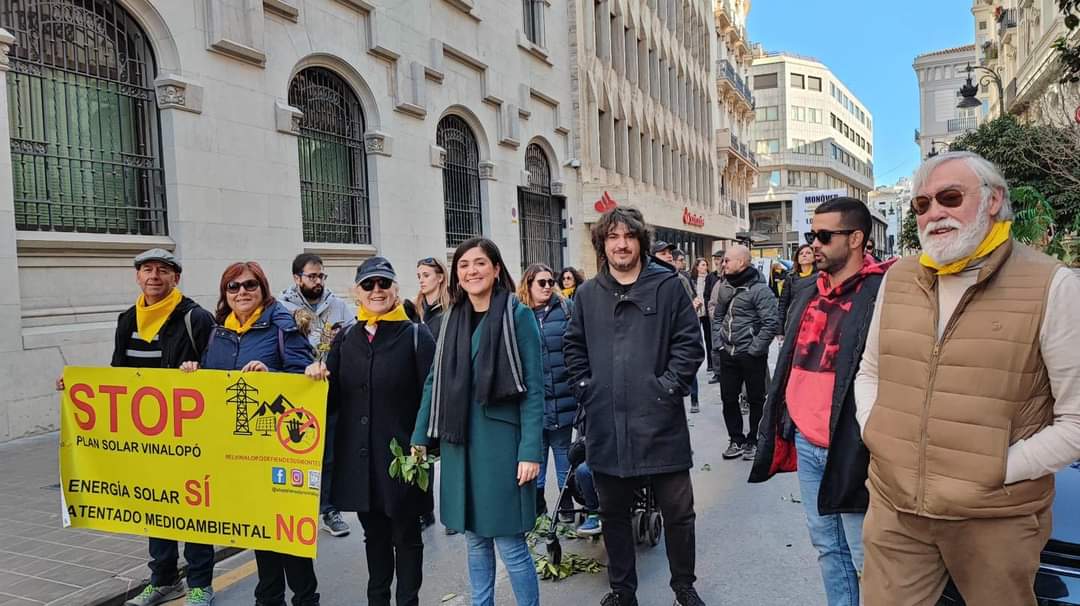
{"x":546,"y":283}
{"x":248,"y":285}
{"x":370,"y":284}
{"x":426,"y":261}
{"x":825,"y":235}
{"x":949,"y":198}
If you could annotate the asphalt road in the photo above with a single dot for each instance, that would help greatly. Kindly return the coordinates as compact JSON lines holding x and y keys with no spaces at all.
{"x":752,"y":546}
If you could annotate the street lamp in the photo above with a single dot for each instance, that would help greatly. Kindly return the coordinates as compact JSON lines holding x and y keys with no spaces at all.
{"x":933,"y":150}
{"x":969,"y":90}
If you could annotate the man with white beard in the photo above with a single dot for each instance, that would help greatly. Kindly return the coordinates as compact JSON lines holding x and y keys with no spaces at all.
{"x":968,"y":396}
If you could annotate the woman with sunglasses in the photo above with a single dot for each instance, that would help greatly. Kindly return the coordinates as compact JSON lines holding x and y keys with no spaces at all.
{"x":552,"y":311}
{"x":434,"y":296}
{"x":255,"y":333}
{"x":801,"y":276}
{"x":484,"y":402}
{"x":376,"y":368}
{"x":569,"y":280}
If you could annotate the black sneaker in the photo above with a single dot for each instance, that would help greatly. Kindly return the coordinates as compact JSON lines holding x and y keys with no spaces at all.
{"x":749,"y":451}
{"x":733,"y":451}
{"x":450,"y":531}
{"x":687,"y":596}
{"x":427,"y":520}
{"x":614,"y":599}
{"x":333,"y":524}
{"x":713,"y":380}
{"x":694,"y":407}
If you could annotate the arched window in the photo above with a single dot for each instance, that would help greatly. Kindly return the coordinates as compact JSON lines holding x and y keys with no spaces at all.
{"x":540,"y":214}
{"x":461,"y":180}
{"x":85,"y":139}
{"x":333,"y":163}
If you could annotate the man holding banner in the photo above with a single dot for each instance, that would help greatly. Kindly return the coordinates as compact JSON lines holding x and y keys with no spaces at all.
{"x":163,"y":330}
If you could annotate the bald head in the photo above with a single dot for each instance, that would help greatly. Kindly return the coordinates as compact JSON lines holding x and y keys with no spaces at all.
{"x":736,"y":259}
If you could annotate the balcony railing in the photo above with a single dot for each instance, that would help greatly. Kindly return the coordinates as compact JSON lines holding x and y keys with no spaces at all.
{"x":961,"y":125}
{"x":726,"y":70}
{"x":729,"y":141}
{"x":1006,"y":21}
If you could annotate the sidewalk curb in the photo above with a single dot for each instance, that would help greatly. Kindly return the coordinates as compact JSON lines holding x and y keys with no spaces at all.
{"x":220,"y":554}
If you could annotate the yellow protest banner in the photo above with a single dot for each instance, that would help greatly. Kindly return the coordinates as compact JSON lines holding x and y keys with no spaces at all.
{"x":223,"y":458}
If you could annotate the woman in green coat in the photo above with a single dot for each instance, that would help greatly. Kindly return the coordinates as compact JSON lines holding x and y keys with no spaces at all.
{"x":484,"y":402}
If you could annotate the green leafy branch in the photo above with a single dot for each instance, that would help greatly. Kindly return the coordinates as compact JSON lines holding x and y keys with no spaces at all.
{"x":570,"y":563}
{"x":409,"y":468}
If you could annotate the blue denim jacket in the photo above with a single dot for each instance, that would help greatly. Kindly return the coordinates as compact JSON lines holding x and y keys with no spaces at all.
{"x":274,"y":340}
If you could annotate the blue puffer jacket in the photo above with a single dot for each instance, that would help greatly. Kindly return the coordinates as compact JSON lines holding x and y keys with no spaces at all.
{"x":559,"y":404}
{"x":274,"y":340}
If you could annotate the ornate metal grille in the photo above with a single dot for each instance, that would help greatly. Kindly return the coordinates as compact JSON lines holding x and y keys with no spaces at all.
{"x":541,"y":214}
{"x":461,"y":180}
{"x":333,"y":162}
{"x":85,"y":138}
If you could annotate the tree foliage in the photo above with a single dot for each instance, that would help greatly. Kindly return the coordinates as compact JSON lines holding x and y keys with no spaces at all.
{"x":1042,"y":166}
{"x":909,"y":233}
{"x":1069,"y":52}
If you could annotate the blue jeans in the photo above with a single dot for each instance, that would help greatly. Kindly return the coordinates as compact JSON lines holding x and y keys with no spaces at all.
{"x":837,"y":537}
{"x":519,"y":563}
{"x":558,"y":440}
{"x":586,"y":489}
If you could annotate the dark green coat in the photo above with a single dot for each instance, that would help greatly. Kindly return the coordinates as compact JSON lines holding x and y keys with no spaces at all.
{"x":478,"y":489}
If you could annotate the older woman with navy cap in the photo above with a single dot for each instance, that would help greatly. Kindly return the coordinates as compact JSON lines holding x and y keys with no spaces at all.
{"x":376,"y":368}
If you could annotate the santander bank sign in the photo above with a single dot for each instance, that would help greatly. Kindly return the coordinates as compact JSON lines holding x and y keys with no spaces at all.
{"x":689,"y":218}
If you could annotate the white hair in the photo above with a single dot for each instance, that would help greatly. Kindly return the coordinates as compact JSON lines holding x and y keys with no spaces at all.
{"x":984,"y":170}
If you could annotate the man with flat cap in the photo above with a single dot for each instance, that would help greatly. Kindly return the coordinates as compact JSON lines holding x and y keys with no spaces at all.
{"x":162,"y":330}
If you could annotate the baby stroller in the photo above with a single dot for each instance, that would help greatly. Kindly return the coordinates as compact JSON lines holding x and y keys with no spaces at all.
{"x":646,"y":521}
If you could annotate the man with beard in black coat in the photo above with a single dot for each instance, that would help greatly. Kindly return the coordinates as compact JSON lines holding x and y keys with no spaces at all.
{"x":632,"y":348}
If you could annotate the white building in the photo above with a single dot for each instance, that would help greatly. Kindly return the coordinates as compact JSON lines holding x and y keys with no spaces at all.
{"x":812,"y":133}
{"x":941,"y":74}
{"x":892,"y":202}
{"x":734,"y":120}
{"x":642,"y":82}
{"x":257,"y":129}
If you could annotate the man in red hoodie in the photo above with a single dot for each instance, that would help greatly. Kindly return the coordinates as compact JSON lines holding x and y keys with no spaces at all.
{"x":809,"y":418}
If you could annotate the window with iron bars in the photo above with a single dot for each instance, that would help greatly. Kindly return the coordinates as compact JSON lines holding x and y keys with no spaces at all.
{"x":333,"y":162}
{"x":461,"y":180}
{"x":534,"y":20}
{"x":85,"y":137}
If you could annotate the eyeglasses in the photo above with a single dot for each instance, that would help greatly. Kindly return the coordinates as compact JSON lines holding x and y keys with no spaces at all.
{"x":545,"y":283}
{"x":248,"y":285}
{"x":370,"y":284}
{"x":313,"y":277}
{"x":825,"y":235}
{"x":949,"y":198}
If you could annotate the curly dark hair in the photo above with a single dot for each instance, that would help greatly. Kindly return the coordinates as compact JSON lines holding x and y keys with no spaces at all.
{"x":635,"y":224}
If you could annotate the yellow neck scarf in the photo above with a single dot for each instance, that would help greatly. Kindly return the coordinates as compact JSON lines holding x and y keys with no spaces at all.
{"x":150,"y":318}
{"x":394,"y":315}
{"x":997,"y":236}
{"x":803,"y":274}
{"x":568,"y":292}
{"x":233,"y":323}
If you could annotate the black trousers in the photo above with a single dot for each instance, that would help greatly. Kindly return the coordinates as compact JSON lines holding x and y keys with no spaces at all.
{"x":735,"y":372}
{"x":675,"y":497}
{"x":393,"y":546}
{"x":164,"y":555}
{"x":706,"y":331}
{"x":277,"y":568}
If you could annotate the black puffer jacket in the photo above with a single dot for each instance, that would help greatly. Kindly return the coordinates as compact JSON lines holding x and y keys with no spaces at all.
{"x":559,"y":402}
{"x":745,"y":319}
{"x":632,"y":354}
{"x":793,"y":285}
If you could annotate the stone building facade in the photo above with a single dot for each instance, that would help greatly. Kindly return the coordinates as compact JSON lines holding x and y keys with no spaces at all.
{"x":256,"y":129}
{"x":642,"y":80}
{"x":941,"y":74}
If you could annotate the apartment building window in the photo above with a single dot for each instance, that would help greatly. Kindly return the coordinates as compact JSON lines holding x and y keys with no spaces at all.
{"x":768,"y":146}
{"x":798,"y":81}
{"x":534,"y":20}
{"x":764,"y":81}
{"x":814,"y":115}
{"x":794,"y":178}
{"x":771,"y":178}
{"x":85,"y":148}
{"x":813,"y":83}
{"x":768,"y":113}
{"x":599,"y":22}
{"x":798,"y":114}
